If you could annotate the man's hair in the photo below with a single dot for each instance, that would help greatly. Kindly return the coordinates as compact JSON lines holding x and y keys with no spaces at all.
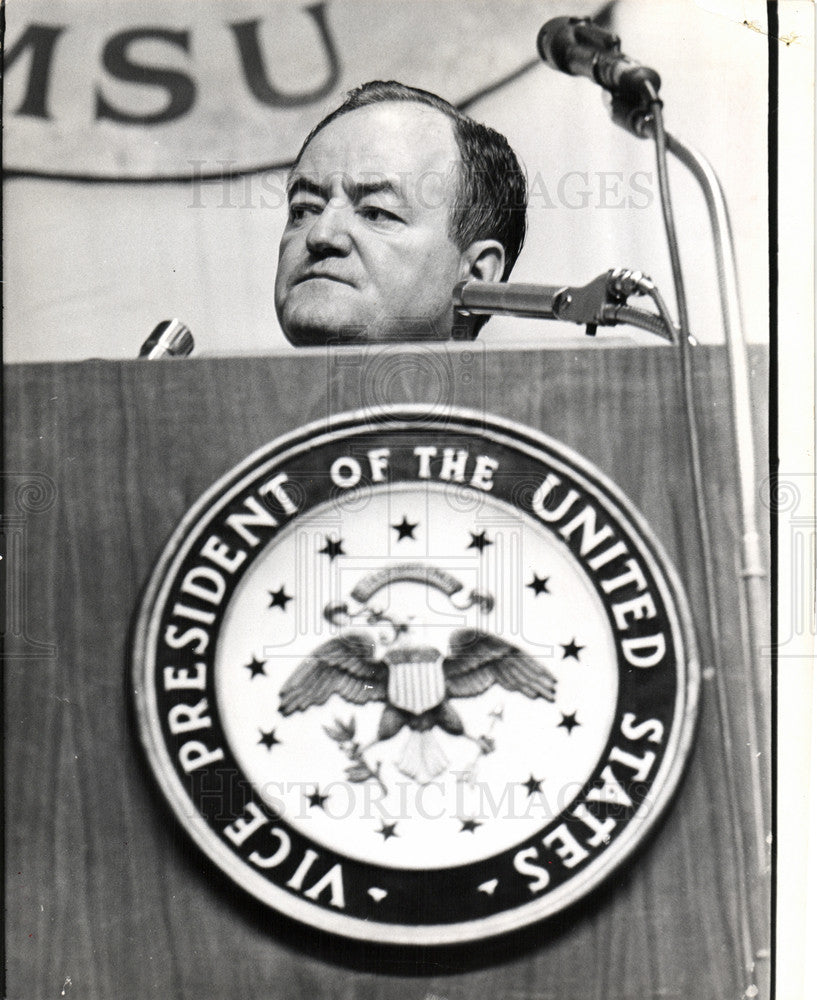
{"x":492,"y":193}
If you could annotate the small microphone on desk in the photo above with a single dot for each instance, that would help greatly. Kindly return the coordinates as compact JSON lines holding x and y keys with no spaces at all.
{"x":170,"y":339}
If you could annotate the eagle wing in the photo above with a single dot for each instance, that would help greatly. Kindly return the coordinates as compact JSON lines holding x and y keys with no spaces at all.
{"x":476,"y":660}
{"x":345,"y":666}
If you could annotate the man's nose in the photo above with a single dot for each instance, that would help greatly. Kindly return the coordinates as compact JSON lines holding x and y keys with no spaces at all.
{"x":329,"y":232}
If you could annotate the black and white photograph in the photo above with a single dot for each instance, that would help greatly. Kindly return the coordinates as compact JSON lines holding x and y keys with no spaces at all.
{"x":408,"y":541}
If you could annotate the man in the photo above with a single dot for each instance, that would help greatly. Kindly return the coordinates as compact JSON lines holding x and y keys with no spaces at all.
{"x":394,"y":198}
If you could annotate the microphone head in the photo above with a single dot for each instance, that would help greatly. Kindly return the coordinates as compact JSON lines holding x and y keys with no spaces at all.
{"x":555,"y":37}
{"x":170,"y":339}
{"x":575,"y":45}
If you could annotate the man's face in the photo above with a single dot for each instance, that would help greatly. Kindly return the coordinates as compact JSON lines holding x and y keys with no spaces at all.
{"x":366,"y":252}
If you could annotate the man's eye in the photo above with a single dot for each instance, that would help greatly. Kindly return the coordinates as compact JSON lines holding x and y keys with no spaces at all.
{"x":299,"y":210}
{"x":373,"y":213}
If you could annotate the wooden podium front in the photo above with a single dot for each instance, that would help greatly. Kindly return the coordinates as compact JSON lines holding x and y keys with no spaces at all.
{"x":107,"y":898}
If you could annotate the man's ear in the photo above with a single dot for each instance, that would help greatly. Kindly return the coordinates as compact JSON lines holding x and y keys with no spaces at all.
{"x":483,"y":260}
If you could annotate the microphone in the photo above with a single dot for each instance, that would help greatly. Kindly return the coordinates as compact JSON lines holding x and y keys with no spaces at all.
{"x":584,"y":305}
{"x":577,"y":46}
{"x":601,"y":302}
{"x":170,"y":339}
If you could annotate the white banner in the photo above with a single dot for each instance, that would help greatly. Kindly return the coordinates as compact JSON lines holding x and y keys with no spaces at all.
{"x":160,"y":90}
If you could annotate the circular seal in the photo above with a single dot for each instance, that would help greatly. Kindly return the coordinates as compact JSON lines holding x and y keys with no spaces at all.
{"x":415,"y":678}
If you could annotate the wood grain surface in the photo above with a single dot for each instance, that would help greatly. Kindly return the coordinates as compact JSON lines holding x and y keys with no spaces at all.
{"x":107,"y":899}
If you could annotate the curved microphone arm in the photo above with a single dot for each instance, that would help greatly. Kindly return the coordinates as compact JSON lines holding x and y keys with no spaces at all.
{"x":732,"y":318}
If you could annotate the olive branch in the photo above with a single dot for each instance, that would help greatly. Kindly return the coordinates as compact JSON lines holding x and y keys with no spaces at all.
{"x":343,"y":733}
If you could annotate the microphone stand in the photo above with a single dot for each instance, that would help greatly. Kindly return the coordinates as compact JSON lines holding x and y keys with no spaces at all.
{"x":754,"y":626}
{"x":639,"y":112}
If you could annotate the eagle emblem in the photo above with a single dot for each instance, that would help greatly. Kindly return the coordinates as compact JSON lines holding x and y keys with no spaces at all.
{"x":392,"y":677}
{"x":415,"y":681}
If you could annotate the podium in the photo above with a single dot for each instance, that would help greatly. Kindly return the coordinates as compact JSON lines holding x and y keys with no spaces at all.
{"x":107,"y":897}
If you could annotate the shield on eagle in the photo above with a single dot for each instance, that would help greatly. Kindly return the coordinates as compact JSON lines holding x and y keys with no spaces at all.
{"x":416,"y":678}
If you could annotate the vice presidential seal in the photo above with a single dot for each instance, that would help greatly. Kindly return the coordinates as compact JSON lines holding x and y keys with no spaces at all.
{"x":413,"y":678}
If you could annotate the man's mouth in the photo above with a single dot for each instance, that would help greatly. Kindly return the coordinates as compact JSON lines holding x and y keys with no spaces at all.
{"x":326,"y":275}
